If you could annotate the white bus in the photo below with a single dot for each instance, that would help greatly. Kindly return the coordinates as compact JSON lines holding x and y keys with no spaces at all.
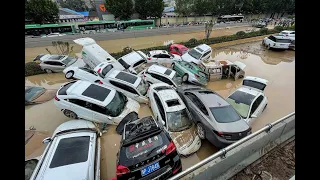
{"x":230,"y":18}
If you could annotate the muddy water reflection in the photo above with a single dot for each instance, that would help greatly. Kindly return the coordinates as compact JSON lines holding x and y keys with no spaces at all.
{"x":277,"y":67}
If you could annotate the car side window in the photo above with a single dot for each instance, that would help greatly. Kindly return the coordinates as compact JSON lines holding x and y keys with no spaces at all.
{"x":160,"y":78}
{"x":256,"y":104}
{"x":197,"y":102}
{"x":160,"y":107}
{"x":48,"y":62}
{"x":165,"y":56}
{"x":100,"y":109}
{"x":176,"y":49}
{"x":82,"y":103}
{"x":156,"y":56}
{"x":88,"y":70}
{"x":138,"y":63}
{"x":205,"y":54}
{"x":292,"y":33}
{"x":124,"y":87}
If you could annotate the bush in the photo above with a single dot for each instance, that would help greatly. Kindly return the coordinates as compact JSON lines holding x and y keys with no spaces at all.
{"x":32,"y":68}
{"x":193,"y":41}
{"x":279,"y":28}
{"x":264,"y":31}
{"x":241,"y":33}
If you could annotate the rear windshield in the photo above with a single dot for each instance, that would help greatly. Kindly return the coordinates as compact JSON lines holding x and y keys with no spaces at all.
{"x":143,"y":147}
{"x":283,"y":40}
{"x":225,"y":114}
{"x":254,"y":84}
{"x":124,"y":64}
{"x":71,"y":151}
{"x":33,"y":93}
{"x":106,"y":70}
{"x":63,"y":90}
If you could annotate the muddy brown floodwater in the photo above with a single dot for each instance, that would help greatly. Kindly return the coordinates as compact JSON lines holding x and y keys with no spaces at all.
{"x":278,"y":67}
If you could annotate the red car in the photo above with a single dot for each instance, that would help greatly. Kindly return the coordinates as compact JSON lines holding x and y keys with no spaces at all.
{"x":178,"y":49}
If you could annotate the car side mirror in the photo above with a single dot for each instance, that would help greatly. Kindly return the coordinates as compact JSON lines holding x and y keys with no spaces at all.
{"x":46,"y":140}
{"x":253,"y":116}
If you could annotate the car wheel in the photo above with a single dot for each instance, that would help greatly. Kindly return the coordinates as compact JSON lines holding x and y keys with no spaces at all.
{"x":268,"y":47}
{"x":69,"y":74}
{"x":185,"y":78}
{"x":201,"y":131}
{"x":48,"y":71}
{"x":172,"y":66}
{"x":70,"y":114}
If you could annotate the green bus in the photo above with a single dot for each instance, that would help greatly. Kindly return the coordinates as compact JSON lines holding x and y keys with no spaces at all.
{"x":97,"y":26}
{"x":45,"y":29}
{"x":135,"y":24}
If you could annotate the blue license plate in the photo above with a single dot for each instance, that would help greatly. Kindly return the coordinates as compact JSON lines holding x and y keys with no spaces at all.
{"x":149,"y":169}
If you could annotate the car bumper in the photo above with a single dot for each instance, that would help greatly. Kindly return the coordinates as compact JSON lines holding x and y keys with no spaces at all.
{"x":217,"y":141}
{"x":192,"y":148}
{"x":279,"y":47}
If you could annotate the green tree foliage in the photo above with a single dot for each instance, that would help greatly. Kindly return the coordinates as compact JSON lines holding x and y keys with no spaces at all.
{"x":149,"y":8}
{"x":201,"y":7}
{"x":184,"y":7}
{"x":41,"y":11}
{"x":76,"y":5}
{"x":122,"y":9}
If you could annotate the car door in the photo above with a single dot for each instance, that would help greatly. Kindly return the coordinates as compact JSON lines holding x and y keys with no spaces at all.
{"x":81,"y":108}
{"x":197,"y":108}
{"x":292,"y":34}
{"x":48,"y":65}
{"x":100,"y":114}
{"x":87,"y":74}
{"x":256,"y":109}
{"x":154,"y":58}
{"x":160,"y":116}
{"x":166,"y":58}
{"x":139,"y":66}
{"x":58,"y":66}
{"x":206,"y":55}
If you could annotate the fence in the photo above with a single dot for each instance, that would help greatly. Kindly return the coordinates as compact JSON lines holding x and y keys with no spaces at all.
{"x":229,"y":161}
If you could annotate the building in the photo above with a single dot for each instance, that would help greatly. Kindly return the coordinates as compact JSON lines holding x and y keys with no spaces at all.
{"x":67,"y":15}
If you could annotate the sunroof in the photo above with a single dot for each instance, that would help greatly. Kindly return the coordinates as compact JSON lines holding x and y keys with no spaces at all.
{"x":173,"y":102}
{"x":199,"y":49}
{"x":127,"y":77}
{"x":71,"y":151}
{"x":160,"y":88}
{"x":96,"y":92}
{"x":168,"y":72}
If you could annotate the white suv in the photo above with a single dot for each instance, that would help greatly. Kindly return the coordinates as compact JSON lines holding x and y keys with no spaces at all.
{"x":94,"y":102}
{"x":161,"y":56}
{"x":72,"y":153}
{"x":134,"y":62}
{"x":129,"y":84}
{"x":276,"y":42}
{"x":169,"y":109}
{"x":197,"y":54}
{"x":158,"y":73}
{"x":288,"y":33}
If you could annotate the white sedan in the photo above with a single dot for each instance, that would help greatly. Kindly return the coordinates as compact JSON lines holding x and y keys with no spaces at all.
{"x":288,"y":33}
{"x":82,"y":73}
{"x":161,"y":56}
{"x":250,"y":100}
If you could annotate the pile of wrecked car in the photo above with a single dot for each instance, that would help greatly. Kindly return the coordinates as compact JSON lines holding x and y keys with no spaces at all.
{"x":105,"y":90}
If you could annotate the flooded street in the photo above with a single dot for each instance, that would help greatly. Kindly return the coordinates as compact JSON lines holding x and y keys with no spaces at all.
{"x":278,"y":67}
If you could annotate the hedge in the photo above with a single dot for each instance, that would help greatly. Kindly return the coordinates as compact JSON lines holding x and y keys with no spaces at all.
{"x":32,"y":68}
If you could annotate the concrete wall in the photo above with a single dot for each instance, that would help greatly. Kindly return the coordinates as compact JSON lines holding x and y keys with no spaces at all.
{"x":245,"y":154}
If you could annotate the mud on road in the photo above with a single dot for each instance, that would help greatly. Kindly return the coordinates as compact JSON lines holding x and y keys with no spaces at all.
{"x":278,"y":67}
{"x":279,"y":164}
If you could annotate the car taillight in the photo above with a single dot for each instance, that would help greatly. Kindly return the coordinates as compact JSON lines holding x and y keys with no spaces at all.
{"x":176,"y":170}
{"x":197,"y":76}
{"x":149,"y":58}
{"x":122,"y":170}
{"x":144,"y":75}
{"x":56,"y":98}
{"x":99,"y":70}
{"x":100,"y":82}
{"x":171,"y":147}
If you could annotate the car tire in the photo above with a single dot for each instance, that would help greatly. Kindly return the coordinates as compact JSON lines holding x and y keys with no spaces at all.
{"x":201,"y":131}
{"x":48,"y":71}
{"x":172,"y":66}
{"x":69,"y":75}
{"x":70,"y":114}
{"x":268,"y":47}
{"x":185,"y":77}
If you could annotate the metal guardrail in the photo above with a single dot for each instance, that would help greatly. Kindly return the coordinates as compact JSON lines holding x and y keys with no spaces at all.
{"x":221,"y":153}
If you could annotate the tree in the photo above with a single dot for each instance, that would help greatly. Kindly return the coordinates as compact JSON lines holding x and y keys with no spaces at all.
{"x":76,"y":5}
{"x":208,"y":29}
{"x":212,"y":7}
{"x":184,"y":7}
{"x":149,"y":8}
{"x":41,"y":11}
{"x":200,"y":7}
{"x":122,"y":9}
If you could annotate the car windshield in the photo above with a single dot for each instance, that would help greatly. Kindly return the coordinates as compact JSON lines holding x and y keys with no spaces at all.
{"x":225,"y":114}
{"x":123,"y":63}
{"x":195,"y":54}
{"x":69,"y":60}
{"x":33,"y":93}
{"x":241,"y":102}
{"x":142,"y":88}
{"x":117,"y":104}
{"x":178,"y":121}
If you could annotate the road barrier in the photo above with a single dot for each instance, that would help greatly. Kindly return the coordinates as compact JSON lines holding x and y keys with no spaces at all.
{"x":230,"y":160}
